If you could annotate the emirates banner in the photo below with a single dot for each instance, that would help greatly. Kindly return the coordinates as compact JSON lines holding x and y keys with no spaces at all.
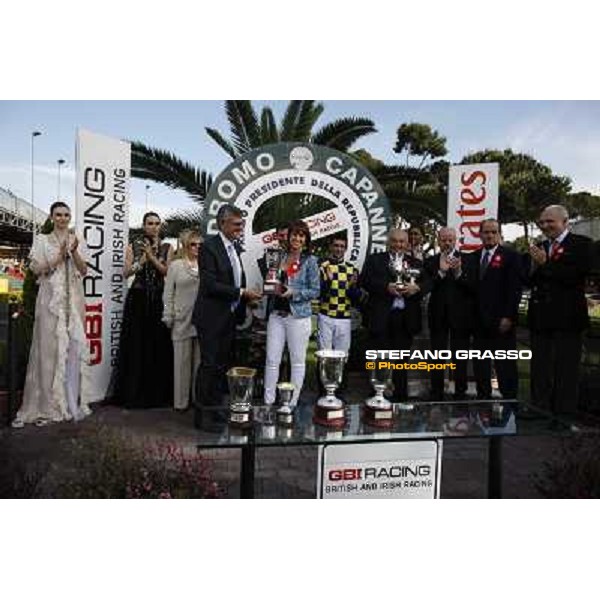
{"x":102,"y":220}
{"x":472,"y":197}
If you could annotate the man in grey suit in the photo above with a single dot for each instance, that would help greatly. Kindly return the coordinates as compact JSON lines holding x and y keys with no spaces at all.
{"x":222,"y":296}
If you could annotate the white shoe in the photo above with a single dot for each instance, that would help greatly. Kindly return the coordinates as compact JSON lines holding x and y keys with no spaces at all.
{"x":17,"y":424}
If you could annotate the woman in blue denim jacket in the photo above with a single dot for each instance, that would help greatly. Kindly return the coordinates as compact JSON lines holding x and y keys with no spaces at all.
{"x":290,"y":318}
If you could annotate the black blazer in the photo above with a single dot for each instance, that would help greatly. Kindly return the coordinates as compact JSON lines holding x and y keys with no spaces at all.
{"x":216,"y":290}
{"x":499,"y":292}
{"x":452,"y":302}
{"x":557,"y":299}
{"x":375,"y":277}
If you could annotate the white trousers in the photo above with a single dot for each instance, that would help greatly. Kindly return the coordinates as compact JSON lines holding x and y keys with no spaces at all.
{"x":186,"y":358}
{"x":296,"y":332}
{"x":334,"y":334}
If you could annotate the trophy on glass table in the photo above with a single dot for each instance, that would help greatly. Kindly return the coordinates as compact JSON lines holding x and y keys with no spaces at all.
{"x":377,"y":410}
{"x":329,"y":410}
{"x":285,"y":412}
{"x":273,"y":258}
{"x":241,"y":385}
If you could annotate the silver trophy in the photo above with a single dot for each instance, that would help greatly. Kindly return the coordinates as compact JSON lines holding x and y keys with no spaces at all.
{"x":329,"y":410}
{"x":241,"y":386}
{"x":378,"y":410}
{"x":403,"y":273}
{"x":285,"y":412}
{"x":273,"y":258}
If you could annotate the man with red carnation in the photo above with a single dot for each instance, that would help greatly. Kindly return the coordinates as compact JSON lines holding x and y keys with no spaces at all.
{"x":495,"y":273}
{"x":558,"y":313}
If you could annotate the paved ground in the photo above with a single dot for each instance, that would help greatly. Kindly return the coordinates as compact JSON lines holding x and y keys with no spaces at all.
{"x":288,"y":472}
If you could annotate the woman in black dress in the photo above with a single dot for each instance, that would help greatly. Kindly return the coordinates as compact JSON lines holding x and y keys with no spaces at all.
{"x":144,"y":377}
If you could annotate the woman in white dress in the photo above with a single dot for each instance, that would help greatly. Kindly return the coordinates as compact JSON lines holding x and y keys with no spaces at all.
{"x":58,"y":348}
{"x":179,"y":297}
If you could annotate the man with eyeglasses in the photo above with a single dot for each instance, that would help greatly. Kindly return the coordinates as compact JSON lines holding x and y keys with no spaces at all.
{"x":222,"y":295}
{"x":557,"y":314}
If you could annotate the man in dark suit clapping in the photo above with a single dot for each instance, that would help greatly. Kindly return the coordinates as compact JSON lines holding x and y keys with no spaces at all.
{"x":558,"y":313}
{"x":495,"y":273}
{"x":450,"y":311}
{"x":394,"y":314}
{"x":221,"y":296}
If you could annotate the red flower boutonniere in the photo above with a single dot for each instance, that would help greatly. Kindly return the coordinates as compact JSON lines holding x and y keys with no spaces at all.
{"x":558,"y":253}
{"x":293,"y":268}
{"x":496,"y":261}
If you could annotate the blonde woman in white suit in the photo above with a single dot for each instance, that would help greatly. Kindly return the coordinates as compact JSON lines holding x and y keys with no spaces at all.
{"x":181,"y":289}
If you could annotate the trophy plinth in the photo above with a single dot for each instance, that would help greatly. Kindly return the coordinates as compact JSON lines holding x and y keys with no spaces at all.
{"x":329,"y":410}
{"x":273,"y":258}
{"x":377,"y":411}
{"x":285,"y":412}
{"x":241,"y":385}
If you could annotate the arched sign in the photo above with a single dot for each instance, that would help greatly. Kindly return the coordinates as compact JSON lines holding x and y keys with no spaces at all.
{"x":360,"y":206}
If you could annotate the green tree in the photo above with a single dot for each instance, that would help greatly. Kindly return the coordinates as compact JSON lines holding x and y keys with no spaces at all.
{"x":526,"y":185}
{"x":584,"y":205}
{"x":247,"y":131}
{"x":417,"y":189}
{"x":420,"y":141}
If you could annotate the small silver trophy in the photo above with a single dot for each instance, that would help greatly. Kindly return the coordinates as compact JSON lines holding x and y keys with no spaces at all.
{"x":273,"y":258}
{"x":377,"y":410}
{"x":241,"y":385}
{"x":397,"y":266}
{"x":404,"y":274}
{"x":285,"y":412}
{"x":329,"y":410}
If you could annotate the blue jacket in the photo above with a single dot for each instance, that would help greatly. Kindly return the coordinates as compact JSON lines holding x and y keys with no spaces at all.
{"x":305,"y":286}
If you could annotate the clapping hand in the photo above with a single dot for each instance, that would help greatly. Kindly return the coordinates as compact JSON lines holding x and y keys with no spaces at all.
{"x":64,"y":249}
{"x":454,"y":263}
{"x":537,"y":254}
{"x":147,"y":249}
{"x":74,"y":244}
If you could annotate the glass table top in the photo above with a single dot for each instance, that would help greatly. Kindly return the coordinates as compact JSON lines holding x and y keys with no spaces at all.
{"x":425,"y":420}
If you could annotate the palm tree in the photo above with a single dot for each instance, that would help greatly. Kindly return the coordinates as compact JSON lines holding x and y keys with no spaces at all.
{"x":247,"y":131}
{"x":417,"y":195}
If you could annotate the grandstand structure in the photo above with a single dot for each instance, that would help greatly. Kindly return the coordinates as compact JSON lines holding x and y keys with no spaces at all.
{"x":18,"y":221}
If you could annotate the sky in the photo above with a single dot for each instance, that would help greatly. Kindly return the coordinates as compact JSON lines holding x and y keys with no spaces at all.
{"x":565,"y":135}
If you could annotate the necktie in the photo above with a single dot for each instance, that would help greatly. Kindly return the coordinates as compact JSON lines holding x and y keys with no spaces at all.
{"x":554,"y":247}
{"x":235,"y":265}
{"x":484,"y":264}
